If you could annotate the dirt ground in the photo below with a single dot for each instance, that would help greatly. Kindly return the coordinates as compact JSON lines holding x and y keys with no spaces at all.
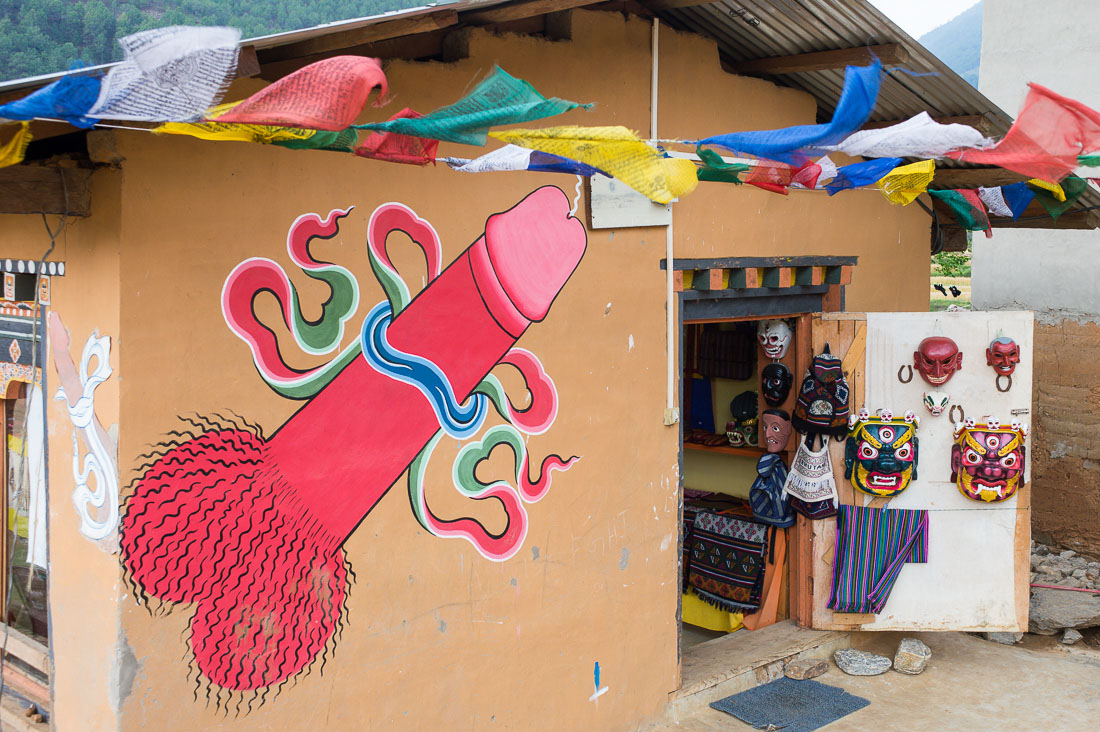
{"x":970,"y":684}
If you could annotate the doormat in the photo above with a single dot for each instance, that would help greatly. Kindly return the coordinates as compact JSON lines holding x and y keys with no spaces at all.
{"x":790,"y":705}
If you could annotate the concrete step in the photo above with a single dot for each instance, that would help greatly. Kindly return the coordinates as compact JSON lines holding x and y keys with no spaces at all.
{"x":741,"y":661}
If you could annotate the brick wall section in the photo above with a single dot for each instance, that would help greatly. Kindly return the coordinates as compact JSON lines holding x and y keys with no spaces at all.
{"x":1066,"y":468}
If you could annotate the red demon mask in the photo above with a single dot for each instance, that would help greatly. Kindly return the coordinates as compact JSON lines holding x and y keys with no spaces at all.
{"x":937,"y":358}
{"x":1003,"y":354}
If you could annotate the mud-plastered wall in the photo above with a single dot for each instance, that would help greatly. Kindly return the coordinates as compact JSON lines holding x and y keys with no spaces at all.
{"x":90,"y":661}
{"x":324,"y":533}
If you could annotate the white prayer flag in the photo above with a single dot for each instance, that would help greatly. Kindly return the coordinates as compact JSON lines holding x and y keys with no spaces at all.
{"x":918,"y":137}
{"x":994,"y":200}
{"x":171,"y":74}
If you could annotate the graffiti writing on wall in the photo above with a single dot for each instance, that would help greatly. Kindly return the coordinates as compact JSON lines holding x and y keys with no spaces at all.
{"x":96,"y":506}
{"x":250,"y":528}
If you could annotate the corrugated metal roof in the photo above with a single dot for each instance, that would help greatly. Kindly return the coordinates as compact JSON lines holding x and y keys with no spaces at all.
{"x":789,"y":27}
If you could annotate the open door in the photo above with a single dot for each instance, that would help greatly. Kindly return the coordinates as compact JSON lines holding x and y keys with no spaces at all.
{"x":976,"y":574}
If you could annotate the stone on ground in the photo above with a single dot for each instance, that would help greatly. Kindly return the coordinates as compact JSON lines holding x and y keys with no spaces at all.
{"x":912,"y":656}
{"x":861,"y":663}
{"x":1008,"y":639}
{"x":805,"y":668}
{"x":1070,"y":636}
{"x":1053,"y":610}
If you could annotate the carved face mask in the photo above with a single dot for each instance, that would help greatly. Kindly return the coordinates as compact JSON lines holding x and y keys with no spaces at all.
{"x":774,"y":337}
{"x":1003,"y":354}
{"x":937,"y":358}
{"x":880,"y":456}
{"x":936,"y":402}
{"x":988,"y":460}
{"x":775,"y":384}
{"x":776,"y":427}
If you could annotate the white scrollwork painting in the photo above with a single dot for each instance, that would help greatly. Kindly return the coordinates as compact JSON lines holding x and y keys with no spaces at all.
{"x":96,"y":506}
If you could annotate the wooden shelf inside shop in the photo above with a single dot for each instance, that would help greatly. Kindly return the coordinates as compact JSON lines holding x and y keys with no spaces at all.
{"x":726,"y":449}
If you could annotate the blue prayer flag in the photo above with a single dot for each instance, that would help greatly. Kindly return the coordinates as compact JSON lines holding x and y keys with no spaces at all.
{"x":861,"y":174}
{"x":66,"y":99}
{"x":1018,"y":196}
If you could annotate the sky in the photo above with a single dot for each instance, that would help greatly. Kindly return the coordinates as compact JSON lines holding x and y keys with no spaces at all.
{"x":917,"y":17}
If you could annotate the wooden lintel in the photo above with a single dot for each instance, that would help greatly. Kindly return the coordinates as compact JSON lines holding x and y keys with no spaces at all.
{"x":658,"y":5}
{"x":29,"y":189}
{"x":974,"y":178}
{"x":360,"y":36}
{"x":516,"y":11}
{"x":887,"y":53}
{"x":978,"y":121}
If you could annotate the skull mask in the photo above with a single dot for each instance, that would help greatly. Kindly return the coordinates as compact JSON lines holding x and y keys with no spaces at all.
{"x":988,"y":460}
{"x":880,"y":457}
{"x":776,"y":425}
{"x":774,"y":337}
{"x":776,"y":383}
{"x":936,"y":401}
{"x":937,"y":359}
{"x":1003,"y":354}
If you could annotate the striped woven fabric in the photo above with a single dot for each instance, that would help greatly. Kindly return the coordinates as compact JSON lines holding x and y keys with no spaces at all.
{"x":872,"y":545}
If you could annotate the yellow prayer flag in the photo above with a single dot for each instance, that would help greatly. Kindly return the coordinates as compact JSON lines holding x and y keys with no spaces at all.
{"x":232,"y":132}
{"x":615,"y":150}
{"x":903,"y":184}
{"x":12,"y":151}
{"x":1054,"y":188}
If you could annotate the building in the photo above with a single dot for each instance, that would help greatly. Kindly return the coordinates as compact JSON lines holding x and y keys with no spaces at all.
{"x":579,"y":628}
{"x":1050,"y":272}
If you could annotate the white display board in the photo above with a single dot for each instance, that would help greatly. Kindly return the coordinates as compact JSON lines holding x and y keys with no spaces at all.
{"x":969,"y":580}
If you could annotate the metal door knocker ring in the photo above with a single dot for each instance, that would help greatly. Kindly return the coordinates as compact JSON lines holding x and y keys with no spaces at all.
{"x":901,"y":369}
{"x":951,"y":414}
{"x":998,"y":382}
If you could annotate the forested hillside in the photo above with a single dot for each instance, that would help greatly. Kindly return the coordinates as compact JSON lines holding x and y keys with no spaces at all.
{"x":40,"y":36}
{"x":958,"y":43}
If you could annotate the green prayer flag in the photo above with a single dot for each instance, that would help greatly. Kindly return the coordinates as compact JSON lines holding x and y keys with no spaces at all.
{"x":969,"y":216}
{"x":1072,"y":186}
{"x":1089,"y":161}
{"x":342,"y":141}
{"x":717,"y":170}
{"x":500,"y":99}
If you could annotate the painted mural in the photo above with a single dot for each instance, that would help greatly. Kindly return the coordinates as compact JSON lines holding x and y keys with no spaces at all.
{"x":95,"y":496}
{"x":249,"y":528}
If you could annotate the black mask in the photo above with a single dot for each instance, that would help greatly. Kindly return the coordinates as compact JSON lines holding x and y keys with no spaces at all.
{"x":743,"y":406}
{"x":776,"y":381}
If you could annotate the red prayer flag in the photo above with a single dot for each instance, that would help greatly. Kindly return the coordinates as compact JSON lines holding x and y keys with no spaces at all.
{"x":397,"y":148}
{"x":1046,"y":138}
{"x":326,"y":95}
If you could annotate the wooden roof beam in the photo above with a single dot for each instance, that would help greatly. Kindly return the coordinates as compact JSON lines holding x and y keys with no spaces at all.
{"x":887,"y":53}
{"x":32,"y":189}
{"x":326,"y":44}
{"x":519,"y":11}
{"x":974,"y":178}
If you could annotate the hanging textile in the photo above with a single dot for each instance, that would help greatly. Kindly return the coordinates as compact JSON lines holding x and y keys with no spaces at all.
{"x":169,"y":74}
{"x":715,"y":169}
{"x":861,"y":174}
{"x":808,"y":175}
{"x":1018,"y":196}
{"x":917,"y":137}
{"x":728,"y":555}
{"x":1053,"y":188}
{"x":902,"y":185}
{"x":966,"y":207}
{"x":326,"y":95}
{"x":500,"y":99}
{"x":342,"y":141}
{"x":618,"y":152}
{"x":67,"y":99}
{"x":994,"y":201}
{"x":1089,"y":161}
{"x":1072,"y":188}
{"x":514,"y":157}
{"x":397,"y":148}
{"x":1045,"y":139}
{"x":857,"y":100}
{"x":872,"y":547}
{"x":213,"y":129}
{"x":12,"y":151}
